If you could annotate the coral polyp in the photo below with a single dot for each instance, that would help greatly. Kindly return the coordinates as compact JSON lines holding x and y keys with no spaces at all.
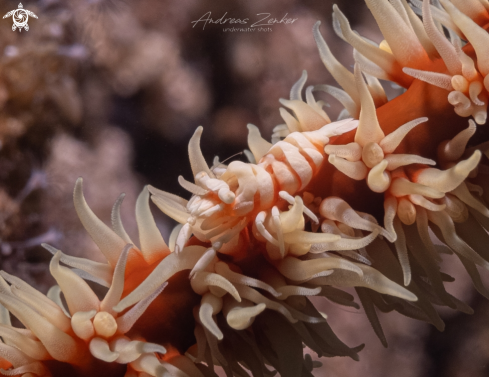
{"x":355,"y":203}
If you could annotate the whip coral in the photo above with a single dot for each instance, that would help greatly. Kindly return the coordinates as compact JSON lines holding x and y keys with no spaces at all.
{"x":327,"y":205}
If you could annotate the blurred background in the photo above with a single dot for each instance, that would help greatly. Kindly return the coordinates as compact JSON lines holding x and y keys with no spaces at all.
{"x":112,"y":91}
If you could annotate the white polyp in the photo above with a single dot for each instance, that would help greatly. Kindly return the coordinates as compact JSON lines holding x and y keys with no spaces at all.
{"x":79,"y":296}
{"x":337,"y":70}
{"x":385,"y":60}
{"x":292,"y":290}
{"x":317,"y":106}
{"x":480,"y":114}
{"x":404,"y":43}
{"x":453,"y":149}
{"x":203,"y":282}
{"x":376,"y":90}
{"x":292,"y":124}
{"x":130,"y":350}
{"x":372,"y":154}
{"x":99,"y":348}
{"x":298,"y":270}
{"x":448,"y":180}
{"x":460,"y":83}
{"x":398,"y":160}
{"x":204,"y":261}
{"x":254,"y":296}
{"x":445,"y":223}
{"x":302,"y":237}
{"x":30,"y":347}
{"x":440,"y":80}
{"x":54,"y":294}
{"x":406,"y":211}
{"x":370,"y":67}
{"x":247,"y":184}
{"x":259,"y":222}
{"x":197,"y":161}
{"x":258,"y":146}
{"x":308,"y":118}
{"x":290,"y":199}
{"x":368,"y":129}
{"x":355,"y":170}
{"x":219,"y":186}
{"x":183,"y":237}
{"x":337,"y":209}
{"x":392,"y":141}
{"x":32,"y":369}
{"x":462,"y":104}
{"x":295,"y":91}
{"x":475,"y":34}
{"x":468,"y":65}
{"x":13,"y":355}
{"x":440,"y":16}
{"x":342,"y":96}
{"x":240,"y":316}
{"x":191,"y":187}
{"x":379,"y":179}
{"x":60,"y":345}
{"x":291,"y":219}
{"x":210,"y":305}
{"x":402,"y":187}
{"x":150,"y":365}
{"x":345,"y":243}
{"x":116,"y":220}
{"x":442,"y":44}
{"x":423,"y":202}
{"x":475,"y":88}
{"x":332,"y":129}
{"x":109,"y":243}
{"x":402,"y":252}
{"x":36,"y":298}
{"x":172,"y":205}
{"x":104,"y":324}
{"x":103,"y":271}
{"x":113,"y":296}
{"x":82,"y":324}
{"x":350,"y":152}
{"x":390,"y":210}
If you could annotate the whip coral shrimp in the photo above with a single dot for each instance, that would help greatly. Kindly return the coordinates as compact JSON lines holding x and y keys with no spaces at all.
{"x":325,"y":206}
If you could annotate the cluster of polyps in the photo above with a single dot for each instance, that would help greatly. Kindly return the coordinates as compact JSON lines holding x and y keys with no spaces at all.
{"x":89,"y":329}
{"x":465,"y":83}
